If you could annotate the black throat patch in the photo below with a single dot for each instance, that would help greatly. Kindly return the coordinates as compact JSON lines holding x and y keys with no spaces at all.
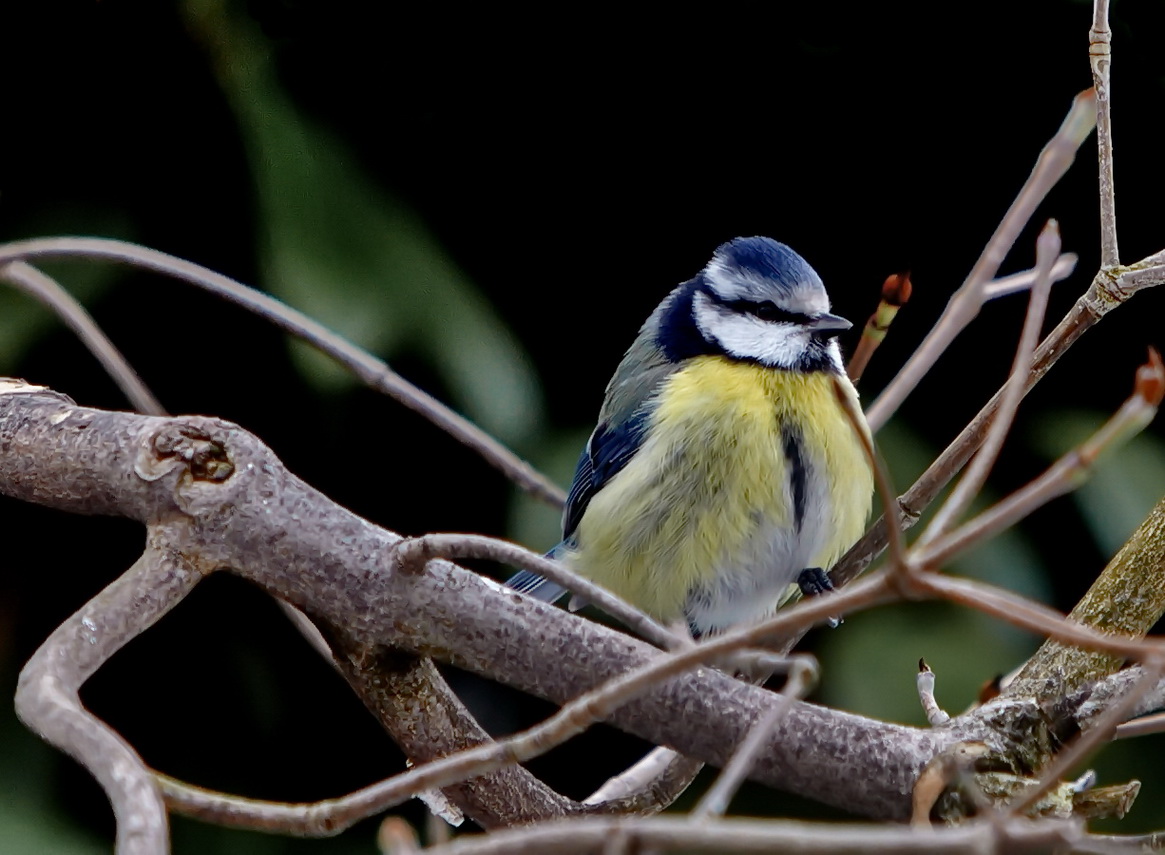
{"x":798,"y":472}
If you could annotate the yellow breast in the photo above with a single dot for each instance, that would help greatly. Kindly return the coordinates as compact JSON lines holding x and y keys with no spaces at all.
{"x":713,"y":477}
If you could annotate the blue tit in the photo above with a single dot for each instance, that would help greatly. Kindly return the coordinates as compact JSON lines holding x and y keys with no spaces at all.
{"x":723,"y":465}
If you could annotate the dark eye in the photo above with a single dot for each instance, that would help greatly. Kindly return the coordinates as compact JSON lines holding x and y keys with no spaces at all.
{"x":767,"y":310}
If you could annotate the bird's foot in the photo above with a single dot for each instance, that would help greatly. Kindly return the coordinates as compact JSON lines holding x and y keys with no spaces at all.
{"x":813,"y":582}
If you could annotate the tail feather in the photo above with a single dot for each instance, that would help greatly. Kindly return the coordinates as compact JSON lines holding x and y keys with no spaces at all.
{"x":536,"y":586}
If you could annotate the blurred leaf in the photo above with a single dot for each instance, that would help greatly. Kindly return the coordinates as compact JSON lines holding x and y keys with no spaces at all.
{"x":22,"y":321}
{"x":1123,"y":486}
{"x":30,"y":824}
{"x":348,"y":254}
{"x":26,"y":831}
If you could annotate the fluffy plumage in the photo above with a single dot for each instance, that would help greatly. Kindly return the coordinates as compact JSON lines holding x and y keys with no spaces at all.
{"x":722,"y":464}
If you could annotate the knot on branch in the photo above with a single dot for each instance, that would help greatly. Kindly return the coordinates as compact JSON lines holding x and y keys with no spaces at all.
{"x":204,"y":458}
{"x":1025,"y":734}
{"x":1106,"y":291}
{"x":411,"y":554}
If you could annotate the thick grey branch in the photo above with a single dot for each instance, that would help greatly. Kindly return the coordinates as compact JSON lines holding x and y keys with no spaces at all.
{"x":228,"y":501}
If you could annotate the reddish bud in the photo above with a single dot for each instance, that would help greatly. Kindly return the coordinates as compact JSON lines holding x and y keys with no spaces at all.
{"x":896,"y":289}
{"x":991,"y":689}
{"x":1150,"y":384}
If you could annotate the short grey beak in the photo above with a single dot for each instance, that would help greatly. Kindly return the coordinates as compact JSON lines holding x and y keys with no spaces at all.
{"x":828,"y":323}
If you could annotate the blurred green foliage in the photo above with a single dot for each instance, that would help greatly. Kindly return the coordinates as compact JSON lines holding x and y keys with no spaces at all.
{"x":350,"y":255}
{"x":1122,"y":488}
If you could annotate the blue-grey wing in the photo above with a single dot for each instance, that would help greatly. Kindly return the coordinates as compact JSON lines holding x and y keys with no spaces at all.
{"x":536,"y":586}
{"x":623,"y":424}
{"x":610,"y":448}
{"x":607,"y":451}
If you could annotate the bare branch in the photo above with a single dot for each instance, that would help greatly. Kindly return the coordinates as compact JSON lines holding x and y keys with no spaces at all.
{"x":732,"y":836}
{"x":1047,"y":249}
{"x":1064,"y":475}
{"x":422,"y":714}
{"x":1132,"y":280}
{"x":1100,"y":57}
{"x":44,"y":288}
{"x":331,"y":563}
{"x":801,"y":679}
{"x":1134,"y":578}
{"x":1025,"y":279}
{"x":895,"y":294}
{"x":413,"y":553}
{"x":47,"y":700}
{"x":652,"y":783}
{"x":1146,"y":726}
{"x":325,"y":818}
{"x":1028,"y":614}
{"x":364,"y":365}
{"x":964,"y":305}
{"x":945,"y":769}
{"x":1120,"y":844}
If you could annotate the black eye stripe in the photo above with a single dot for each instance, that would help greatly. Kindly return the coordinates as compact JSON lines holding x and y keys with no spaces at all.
{"x":767,"y":310}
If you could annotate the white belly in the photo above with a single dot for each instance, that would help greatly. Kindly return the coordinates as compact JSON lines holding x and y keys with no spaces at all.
{"x":752,"y":586}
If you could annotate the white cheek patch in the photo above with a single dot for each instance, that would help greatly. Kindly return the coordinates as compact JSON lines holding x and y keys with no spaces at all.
{"x":746,"y":337}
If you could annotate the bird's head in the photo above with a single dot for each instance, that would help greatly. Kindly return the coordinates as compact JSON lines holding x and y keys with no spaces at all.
{"x":757,"y":301}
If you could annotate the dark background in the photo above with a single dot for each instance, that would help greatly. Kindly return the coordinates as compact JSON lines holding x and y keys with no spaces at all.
{"x":521,"y":191}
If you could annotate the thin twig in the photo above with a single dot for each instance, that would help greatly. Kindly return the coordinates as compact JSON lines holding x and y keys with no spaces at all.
{"x":1047,"y":250}
{"x":1144,"y":726}
{"x":330,"y":817}
{"x":649,"y":786}
{"x":44,"y":288}
{"x":1120,"y":844}
{"x":801,"y":678}
{"x":600,"y":703}
{"x":1029,"y":615}
{"x":882,"y":481}
{"x":411,"y":554}
{"x":1130,"y":280}
{"x":895,"y":294}
{"x":948,"y":766}
{"x":1024,"y":280}
{"x":657,"y":765}
{"x":1064,"y":475}
{"x":369,"y":369}
{"x":765,"y":836}
{"x":47,"y":694}
{"x":964,"y":305}
{"x":1100,"y":58}
{"x":1103,"y":295}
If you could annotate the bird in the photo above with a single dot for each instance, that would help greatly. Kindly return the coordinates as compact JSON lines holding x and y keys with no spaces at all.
{"x":723,"y":467}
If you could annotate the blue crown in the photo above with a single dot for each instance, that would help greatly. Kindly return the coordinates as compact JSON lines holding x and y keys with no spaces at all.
{"x":766,"y":258}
